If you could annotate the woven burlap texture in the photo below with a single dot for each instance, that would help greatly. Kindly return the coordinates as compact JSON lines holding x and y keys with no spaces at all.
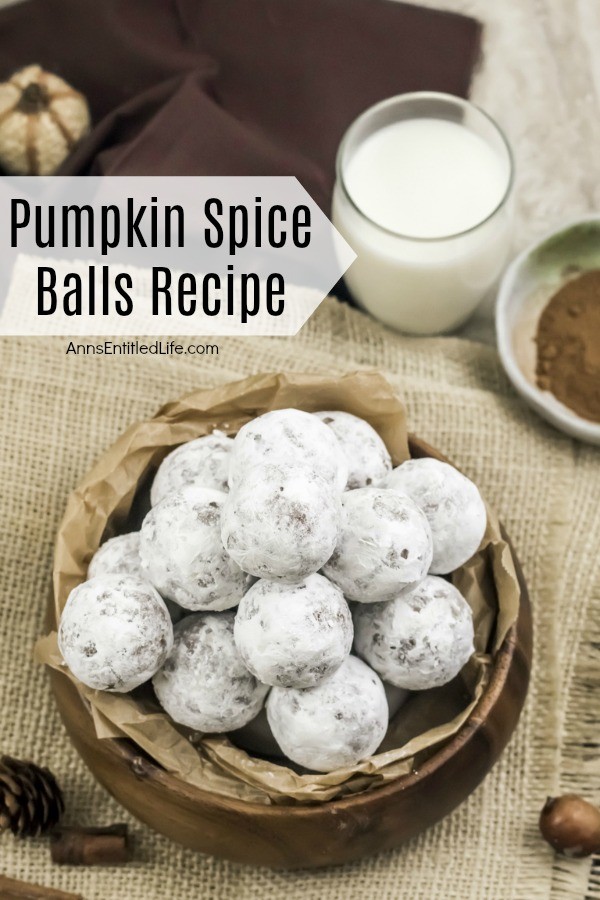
{"x":60,"y":412}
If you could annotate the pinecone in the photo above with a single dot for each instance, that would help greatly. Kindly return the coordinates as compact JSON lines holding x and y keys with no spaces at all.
{"x":31,"y":801}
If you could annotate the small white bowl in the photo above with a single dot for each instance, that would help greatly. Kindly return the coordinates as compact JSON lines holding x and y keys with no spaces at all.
{"x":528,"y":283}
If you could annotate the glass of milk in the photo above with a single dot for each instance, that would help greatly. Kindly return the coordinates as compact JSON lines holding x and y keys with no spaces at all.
{"x":423,"y":197}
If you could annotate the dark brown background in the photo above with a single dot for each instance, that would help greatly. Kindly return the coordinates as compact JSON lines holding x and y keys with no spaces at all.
{"x":232,"y":87}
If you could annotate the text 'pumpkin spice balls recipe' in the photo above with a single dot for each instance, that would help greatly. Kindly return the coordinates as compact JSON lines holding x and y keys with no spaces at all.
{"x":233,"y":597}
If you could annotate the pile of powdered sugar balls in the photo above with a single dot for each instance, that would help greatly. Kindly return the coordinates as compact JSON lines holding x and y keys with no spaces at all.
{"x":233,"y":596}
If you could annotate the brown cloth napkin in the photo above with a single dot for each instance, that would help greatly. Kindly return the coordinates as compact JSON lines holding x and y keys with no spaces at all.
{"x":234,"y":87}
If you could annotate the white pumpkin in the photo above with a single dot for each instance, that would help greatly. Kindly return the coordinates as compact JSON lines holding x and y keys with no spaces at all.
{"x":41,"y":119}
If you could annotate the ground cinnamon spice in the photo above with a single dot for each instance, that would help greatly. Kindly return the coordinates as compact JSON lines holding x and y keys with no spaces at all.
{"x":568,"y":345}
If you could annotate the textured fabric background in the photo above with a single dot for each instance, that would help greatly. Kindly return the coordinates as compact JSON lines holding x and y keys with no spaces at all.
{"x":59,"y":412}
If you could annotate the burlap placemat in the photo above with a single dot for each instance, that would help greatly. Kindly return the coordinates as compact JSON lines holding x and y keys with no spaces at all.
{"x":59,"y":412}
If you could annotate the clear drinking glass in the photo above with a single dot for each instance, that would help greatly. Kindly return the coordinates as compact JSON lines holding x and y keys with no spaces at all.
{"x":423,"y":285}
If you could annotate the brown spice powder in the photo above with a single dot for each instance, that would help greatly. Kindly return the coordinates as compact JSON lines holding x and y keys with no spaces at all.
{"x":568,"y":345}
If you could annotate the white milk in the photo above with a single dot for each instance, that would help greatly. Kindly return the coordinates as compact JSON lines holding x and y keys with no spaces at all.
{"x":426,"y":254}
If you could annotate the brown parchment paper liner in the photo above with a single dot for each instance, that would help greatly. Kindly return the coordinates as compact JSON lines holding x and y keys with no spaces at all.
{"x":101,"y":505}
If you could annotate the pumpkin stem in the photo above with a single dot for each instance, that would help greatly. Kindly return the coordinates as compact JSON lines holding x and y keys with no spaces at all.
{"x":34,"y":98}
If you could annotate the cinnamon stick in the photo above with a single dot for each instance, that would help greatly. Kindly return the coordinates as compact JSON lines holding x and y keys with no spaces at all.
{"x":72,"y":846}
{"x":11,"y":889}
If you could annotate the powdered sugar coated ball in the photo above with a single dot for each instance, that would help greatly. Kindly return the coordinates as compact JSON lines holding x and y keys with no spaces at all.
{"x":119,"y":555}
{"x":288,"y":437}
{"x":293,"y":635}
{"x":257,"y":736}
{"x":281,"y":523}
{"x":453,"y":506}
{"x":384,"y":546}
{"x":182,"y":554}
{"x":366,"y":455}
{"x":204,"y":683}
{"x":115,"y":632}
{"x":419,"y":640}
{"x":338,"y":723}
{"x":203,"y":462}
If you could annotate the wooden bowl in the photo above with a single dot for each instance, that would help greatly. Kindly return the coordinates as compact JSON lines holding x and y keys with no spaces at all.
{"x":331,"y":833}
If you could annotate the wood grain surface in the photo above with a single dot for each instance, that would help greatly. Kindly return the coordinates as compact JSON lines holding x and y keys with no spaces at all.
{"x":330,"y":833}
{"x":13,"y":889}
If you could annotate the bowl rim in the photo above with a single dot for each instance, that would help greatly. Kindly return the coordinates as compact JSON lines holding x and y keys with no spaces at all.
{"x":131,"y":755}
{"x":562,"y":418}
{"x":504,"y":656}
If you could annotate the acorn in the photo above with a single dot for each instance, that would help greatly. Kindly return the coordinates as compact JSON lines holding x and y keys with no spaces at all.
{"x":571,"y":825}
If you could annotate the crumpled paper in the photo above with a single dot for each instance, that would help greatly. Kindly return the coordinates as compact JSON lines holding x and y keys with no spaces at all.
{"x":112,"y":499}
